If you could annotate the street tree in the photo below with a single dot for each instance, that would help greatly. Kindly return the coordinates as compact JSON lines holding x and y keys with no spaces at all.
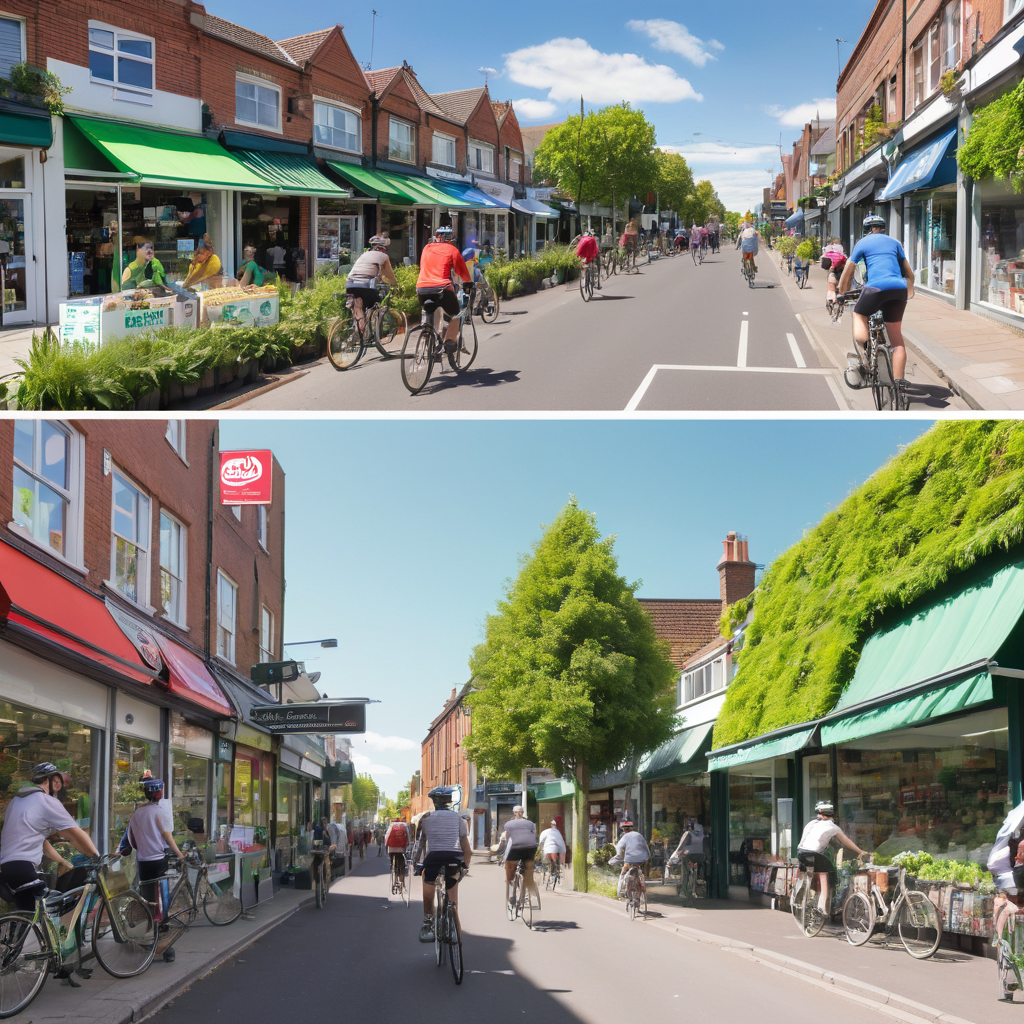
{"x":572,"y":158}
{"x":364,"y":795}
{"x":732,"y":221}
{"x":571,"y":675}
{"x":675,"y":180}
{"x":631,"y":167}
{"x":703,"y":202}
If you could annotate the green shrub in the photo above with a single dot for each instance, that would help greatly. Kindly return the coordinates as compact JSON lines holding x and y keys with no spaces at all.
{"x":786,"y":245}
{"x":809,"y":249}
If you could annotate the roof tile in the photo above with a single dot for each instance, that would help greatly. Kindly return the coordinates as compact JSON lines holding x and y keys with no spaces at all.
{"x":246,"y":38}
{"x":301,"y":48}
{"x":688,"y":624}
{"x":460,"y":104}
{"x":380,"y":80}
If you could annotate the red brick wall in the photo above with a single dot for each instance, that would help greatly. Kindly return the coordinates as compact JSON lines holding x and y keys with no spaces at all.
{"x":442,"y":758}
{"x":434,"y":123}
{"x":511,"y":137}
{"x":482,"y":126}
{"x":337,"y":76}
{"x":401,"y":102}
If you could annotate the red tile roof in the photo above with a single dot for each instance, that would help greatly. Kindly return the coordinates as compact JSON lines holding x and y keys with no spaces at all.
{"x":246,"y":38}
{"x":380,"y":80}
{"x":709,"y":648}
{"x":459,"y":105}
{"x":689,"y":625}
{"x":301,"y":48}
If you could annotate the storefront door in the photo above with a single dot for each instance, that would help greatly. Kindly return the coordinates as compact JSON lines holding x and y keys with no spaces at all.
{"x":15,"y":210}
{"x":334,"y":233}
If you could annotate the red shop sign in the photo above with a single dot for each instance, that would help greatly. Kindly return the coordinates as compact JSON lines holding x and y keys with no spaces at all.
{"x":245,"y":478}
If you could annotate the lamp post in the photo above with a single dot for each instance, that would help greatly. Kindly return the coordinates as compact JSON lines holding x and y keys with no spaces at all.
{"x":301,"y":643}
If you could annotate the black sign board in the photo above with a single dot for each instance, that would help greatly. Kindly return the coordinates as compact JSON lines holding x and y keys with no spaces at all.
{"x":270,"y":673}
{"x":322,"y":717}
{"x":340,"y":772}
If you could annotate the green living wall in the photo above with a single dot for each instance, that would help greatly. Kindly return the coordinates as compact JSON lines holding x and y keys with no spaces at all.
{"x":947,"y":500}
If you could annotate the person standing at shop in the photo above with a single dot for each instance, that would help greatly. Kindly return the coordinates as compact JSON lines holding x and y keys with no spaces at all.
{"x":192,"y":214}
{"x":145,"y":271}
{"x":250,"y":272}
{"x":205,"y":267}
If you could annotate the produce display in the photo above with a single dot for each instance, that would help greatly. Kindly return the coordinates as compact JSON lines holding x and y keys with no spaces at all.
{"x":236,"y":293}
{"x":140,"y":299}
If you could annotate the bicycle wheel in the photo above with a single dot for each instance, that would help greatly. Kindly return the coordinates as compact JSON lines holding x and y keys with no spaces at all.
{"x":181,"y":912}
{"x":222,"y":907}
{"x":321,"y":895}
{"x":883,"y":391}
{"x":389,"y":332}
{"x":462,"y":358}
{"x":1009,"y":976}
{"x":454,"y":944}
{"x":902,"y":398}
{"x":527,"y":908}
{"x":918,"y":925}
{"x":124,"y":935}
{"x":512,"y":904}
{"x":858,"y":918}
{"x":439,"y":923}
{"x":613,"y":264}
{"x":344,"y":344}
{"x":695,"y":253}
{"x":813,"y":918}
{"x":24,"y":962}
{"x":489,"y":304}
{"x":407,"y":880}
{"x":418,"y":358}
{"x":642,"y":901}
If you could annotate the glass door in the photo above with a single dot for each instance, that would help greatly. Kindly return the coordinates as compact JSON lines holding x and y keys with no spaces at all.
{"x":13,"y":218}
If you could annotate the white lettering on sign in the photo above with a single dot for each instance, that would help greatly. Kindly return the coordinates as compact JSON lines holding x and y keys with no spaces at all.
{"x":239,"y":472}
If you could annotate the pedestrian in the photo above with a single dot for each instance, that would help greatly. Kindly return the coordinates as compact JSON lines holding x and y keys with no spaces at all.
{"x":205,"y":266}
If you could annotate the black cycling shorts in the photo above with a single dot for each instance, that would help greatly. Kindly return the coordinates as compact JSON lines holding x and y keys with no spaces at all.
{"x":445,"y":297}
{"x":816,"y":862}
{"x":434,"y":863}
{"x":891,"y":302}
{"x":521,"y":853}
{"x":369,"y":296}
{"x":16,"y":873}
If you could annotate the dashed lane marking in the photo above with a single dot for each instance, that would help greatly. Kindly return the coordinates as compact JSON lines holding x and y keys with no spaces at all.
{"x":795,"y":349}
{"x":741,"y":358}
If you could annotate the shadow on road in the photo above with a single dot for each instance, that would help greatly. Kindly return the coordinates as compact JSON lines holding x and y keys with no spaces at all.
{"x":484,"y":377}
{"x":933,"y":396}
{"x":554,"y":926}
{"x":615,"y":298}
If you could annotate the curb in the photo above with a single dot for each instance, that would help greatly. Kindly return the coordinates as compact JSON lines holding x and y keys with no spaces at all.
{"x":891,"y":1003}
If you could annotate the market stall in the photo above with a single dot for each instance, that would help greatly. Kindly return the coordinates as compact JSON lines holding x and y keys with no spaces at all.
{"x":251,"y":305}
{"x":99,"y":318}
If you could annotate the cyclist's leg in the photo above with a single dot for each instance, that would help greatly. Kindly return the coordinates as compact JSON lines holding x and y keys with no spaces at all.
{"x":894,"y":328}
{"x":530,"y":883}
{"x":861,"y":333}
{"x":824,"y":883}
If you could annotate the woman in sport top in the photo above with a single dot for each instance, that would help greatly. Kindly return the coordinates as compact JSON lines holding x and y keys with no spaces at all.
{"x":438,"y":261}
{"x":521,"y":834}
{"x":366,"y":274}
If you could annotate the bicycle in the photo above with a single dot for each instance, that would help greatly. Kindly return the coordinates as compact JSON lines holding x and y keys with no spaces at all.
{"x":805,"y":902}
{"x":636,"y":892}
{"x":910,"y":913}
{"x":487,"y":304}
{"x":687,"y":886}
{"x":589,"y":280}
{"x":749,"y":271}
{"x":401,"y":878}
{"x":518,"y":901}
{"x":887,"y":391}
{"x":382,"y":325}
{"x":610,"y":263}
{"x":447,"y":930}
{"x":627,"y":261}
{"x":220,"y":906}
{"x":105,"y":913}
{"x":695,"y":253}
{"x":803,"y":270}
{"x":1009,"y":949}
{"x":424,"y":346}
{"x":552,"y":873}
{"x":321,"y":871}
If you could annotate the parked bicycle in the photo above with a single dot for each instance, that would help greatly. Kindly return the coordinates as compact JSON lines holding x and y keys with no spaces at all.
{"x":802,"y":271}
{"x":907,"y":912}
{"x":105,"y":914}
{"x":805,"y":902}
{"x":447,"y":930}
{"x":519,"y":902}
{"x":636,"y":892}
{"x":382,"y":326}
{"x":320,"y":868}
{"x":887,"y":392}
{"x":610,"y":262}
{"x":627,"y":262}
{"x":218,"y":902}
{"x":424,"y":346}
{"x":1008,"y":938}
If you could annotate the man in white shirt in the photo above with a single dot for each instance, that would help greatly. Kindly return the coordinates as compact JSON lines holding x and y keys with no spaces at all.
{"x":632,"y":850}
{"x":552,"y":845}
{"x":815,"y":840}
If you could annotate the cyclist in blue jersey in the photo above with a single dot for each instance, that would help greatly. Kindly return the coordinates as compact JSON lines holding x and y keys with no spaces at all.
{"x":887,"y":289}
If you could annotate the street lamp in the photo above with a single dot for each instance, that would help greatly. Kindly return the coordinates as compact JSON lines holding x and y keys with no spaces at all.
{"x":322,"y":643}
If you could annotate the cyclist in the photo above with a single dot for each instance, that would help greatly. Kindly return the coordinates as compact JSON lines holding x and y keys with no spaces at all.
{"x":632,"y":850}
{"x":521,"y":834}
{"x":747,"y":240}
{"x":438,"y":262}
{"x":1004,"y":863}
{"x":690,"y":848}
{"x":815,"y":840}
{"x":833,"y":258}
{"x":713,"y":229}
{"x":396,"y":839}
{"x":588,"y":251}
{"x":446,"y":839}
{"x":552,"y":846}
{"x":630,"y":236}
{"x":889,"y":285}
{"x":365,"y":276}
{"x":32,"y":816}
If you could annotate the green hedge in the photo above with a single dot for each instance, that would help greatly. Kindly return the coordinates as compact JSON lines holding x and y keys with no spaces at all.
{"x":951,"y":497}
{"x":515,"y":277}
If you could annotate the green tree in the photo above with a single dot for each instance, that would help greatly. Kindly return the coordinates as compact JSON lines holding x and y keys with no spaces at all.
{"x":571,"y":675}
{"x":732,"y":221}
{"x":572,"y":157}
{"x":702,"y":202}
{"x":364,"y":795}
{"x":675,"y":180}
{"x":631,"y":168}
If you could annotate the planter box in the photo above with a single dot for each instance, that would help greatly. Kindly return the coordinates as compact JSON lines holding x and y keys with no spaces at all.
{"x":190,"y":390}
{"x":208,"y":383}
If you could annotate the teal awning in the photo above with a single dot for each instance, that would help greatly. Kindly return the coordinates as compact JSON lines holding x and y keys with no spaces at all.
{"x":26,"y":129}
{"x":560,"y":789}
{"x":684,"y":754}
{"x":761,"y":750}
{"x":291,"y":173}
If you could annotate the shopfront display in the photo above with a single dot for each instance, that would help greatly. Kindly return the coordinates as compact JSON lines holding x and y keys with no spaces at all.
{"x":291,"y":843}
{"x":1000,"y":281}
{"x":132,"y":757}
{"x":272,"y":227}
{"x":105,"y":317}
{"x":931,"y":238}
{"x":251,"y":797}
{"x":338,"y":227}
{"x":676,"y":805}
{"x":191,"y":753}
{"x":13,"y":214}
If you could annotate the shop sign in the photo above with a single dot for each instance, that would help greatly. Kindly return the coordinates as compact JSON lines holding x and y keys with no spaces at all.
{"x":245,"y":478}
{"x":494,"y":788}
{"x":141,"y":636}
{"x":325,"y":716}
{"x":136,"y":319}
{"x":436,"y":172}
{"x":223,"y":750}
{"x":251,"y":737}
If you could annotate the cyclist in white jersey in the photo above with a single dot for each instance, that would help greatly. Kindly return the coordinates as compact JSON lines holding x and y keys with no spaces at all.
{"x":447,"y":847}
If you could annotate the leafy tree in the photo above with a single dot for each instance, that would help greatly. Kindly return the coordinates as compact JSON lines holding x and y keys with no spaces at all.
{"x":365,"y":795}
{"x":571,"y":675}
{"x":994,"y":147}
{"x":675,"y":180}
{"x":572,"y":157}
{"x":702,"y":203}
{"x":732,"y":221}
{"x":631,"y":168}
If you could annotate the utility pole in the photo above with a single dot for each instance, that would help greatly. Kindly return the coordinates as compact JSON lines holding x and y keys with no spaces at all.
{"x":839,"y":56}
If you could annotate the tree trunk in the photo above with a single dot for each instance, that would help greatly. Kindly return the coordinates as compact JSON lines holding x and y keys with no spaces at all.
{"x":613,"y":212}
{"x":581,"y":828}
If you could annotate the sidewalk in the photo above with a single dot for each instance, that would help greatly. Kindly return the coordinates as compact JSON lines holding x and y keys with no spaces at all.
{"x":982,"y":360}
{"x":15,"y":343}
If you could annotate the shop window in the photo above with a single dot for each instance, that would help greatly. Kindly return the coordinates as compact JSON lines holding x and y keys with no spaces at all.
{"x":1001,"y":277}
{"x":336,"y":127}
{"x":515,"y":169}
{"x":932,"y":240}
{"x":292,"y":843}
{"x":257,"y":103}
{"x":934,"y":57}
{"x":917,"y":63}
{"x":401,"y":141}
{"x":12,"y":173}
{"x":12,"y":44}
{"x":444,"y":150}
{"x":227,"y":608}
{"x":261,"y":525}
{"x":173,"y":548}
{"x":120,"y":58}
{"x":132,"y":757}
{"x":189,"y":798}
{"x":47,"y":486}
{"x":175,"y":435}
{"x":129,"y":549}
{"x":704,"y":680}
{"x":266,"y":634}
{"x":481,"y":157}
{"x":951,"y":35}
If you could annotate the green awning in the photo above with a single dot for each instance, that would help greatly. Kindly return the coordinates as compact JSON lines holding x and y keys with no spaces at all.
{"x":935,"y":703}
{"x":761,"y":750}
{"x":968,"y":626}
{"x":161,"y":156}
{"x":292,"y":174}
{"x":684,"y":754}
{"x":375,"y":184}
{"x":560,"y":789}
{"x":25,"y":129}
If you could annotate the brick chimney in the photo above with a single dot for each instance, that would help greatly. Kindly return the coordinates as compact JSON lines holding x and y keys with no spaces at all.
{"x":735,"y":570}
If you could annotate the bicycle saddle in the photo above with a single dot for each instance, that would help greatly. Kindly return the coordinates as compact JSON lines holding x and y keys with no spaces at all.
{"x":430,"y":306}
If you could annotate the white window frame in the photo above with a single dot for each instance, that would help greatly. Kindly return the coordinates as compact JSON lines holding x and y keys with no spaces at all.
{"x":180,"y":618}
{"x":392,"y":121}
{"x":123,"y":33}
{"x":266,"y":617}
{"x":143,"y":567}
{"x":1012,"y":7}
{"x":710,"y":677}
{"x":263,"y":84}
{"x":483,"y":148}
{"x":514,"y":162}
{"x":74,"y":545}
{"x":24,"y":33}
{"x":950,"y":16}
{"x":319,"y":101}
{"x":261,"y":525}
{"x":175,"y":437}
{"x":445,"y":139}
{"x":222,"y":650}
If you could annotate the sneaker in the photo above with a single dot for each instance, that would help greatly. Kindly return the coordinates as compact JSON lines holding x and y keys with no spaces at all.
{"x":169,"y":955}
{"x":427,"y":931}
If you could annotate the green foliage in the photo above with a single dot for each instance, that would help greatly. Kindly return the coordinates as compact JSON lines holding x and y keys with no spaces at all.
{"x":809,"y":249}
{"x":994,"y":147}
{"x":675,"y":180}
{"x":732,"y":221}
{"x":601,"y":856}
{"x":572,"y":157}
{"x":786,"y":246}
{"x":702,"y":203}
{"x":364,"y":795}
{"x":949,"y":80}
{"x":36,"y":82}
{"x":874,"y":126}
{"x":950,"y":498}
{"x":920,"y":864}
{"x":513,"y":277}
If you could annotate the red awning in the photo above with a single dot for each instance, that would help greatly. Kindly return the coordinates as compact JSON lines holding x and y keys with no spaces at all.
{"x":188,"y":677}
{"x":45,"y":603}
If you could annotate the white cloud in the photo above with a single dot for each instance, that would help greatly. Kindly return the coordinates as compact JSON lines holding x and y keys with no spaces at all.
{"x":533,"y":110}
{"x":802,"y":113}
{"x":570,"y":68}
{"x":701,"y":153}
{"x":365,"y":765}
{"x":671,"y":37}
{"x":375,"y":741}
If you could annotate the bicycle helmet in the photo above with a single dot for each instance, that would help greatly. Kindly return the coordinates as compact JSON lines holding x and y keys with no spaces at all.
{"x":441,"y":795}
{"x":627,"y":824}
{"x":47,"y":770}
{"x":872,"y":221}
{"x":153,"y":788}
{"x":379,"y":242}
{"x":825,"y":807}
{"x":444,"y":234}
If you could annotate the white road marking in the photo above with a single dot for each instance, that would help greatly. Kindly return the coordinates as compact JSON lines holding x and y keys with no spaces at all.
{"x":795,"y":349}
{"x":741,"y":358}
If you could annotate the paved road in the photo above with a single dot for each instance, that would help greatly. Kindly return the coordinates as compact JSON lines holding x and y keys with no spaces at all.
{"x":583,"y":964}
{"x":673,"y":337}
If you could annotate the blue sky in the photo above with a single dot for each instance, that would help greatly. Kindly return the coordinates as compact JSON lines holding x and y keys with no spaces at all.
{"x":401,"y":534}
{"x":745,"y":74}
